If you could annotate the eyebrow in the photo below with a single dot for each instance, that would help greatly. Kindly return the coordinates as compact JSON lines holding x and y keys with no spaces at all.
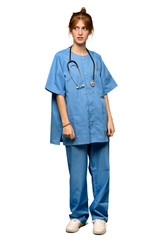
{"x":82,"y":26}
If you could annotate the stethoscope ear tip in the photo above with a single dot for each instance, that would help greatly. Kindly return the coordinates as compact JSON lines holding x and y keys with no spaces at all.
{"x":80,"y":86}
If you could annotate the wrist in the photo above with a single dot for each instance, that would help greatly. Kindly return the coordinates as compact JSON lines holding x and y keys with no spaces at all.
{"x":109,"y":118}
{"x":65,"y":121}
{"x":64,"y":125}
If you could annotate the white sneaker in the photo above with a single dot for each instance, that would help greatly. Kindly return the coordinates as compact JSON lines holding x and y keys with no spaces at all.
{"x":74,"y":225}
{"x":99,"y":226}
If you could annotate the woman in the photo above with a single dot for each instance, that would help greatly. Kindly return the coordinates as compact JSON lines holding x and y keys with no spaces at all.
{"x":82,"y":120}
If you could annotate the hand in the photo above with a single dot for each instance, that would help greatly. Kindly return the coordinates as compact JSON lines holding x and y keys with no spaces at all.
{"x":110,"y":128}
{"x":69,"y":132}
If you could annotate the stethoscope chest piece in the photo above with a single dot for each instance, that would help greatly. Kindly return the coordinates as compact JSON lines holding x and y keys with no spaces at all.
{"x":92,"y":83}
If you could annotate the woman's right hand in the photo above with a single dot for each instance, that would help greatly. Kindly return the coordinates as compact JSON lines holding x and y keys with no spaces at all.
{"x":69,"y":132}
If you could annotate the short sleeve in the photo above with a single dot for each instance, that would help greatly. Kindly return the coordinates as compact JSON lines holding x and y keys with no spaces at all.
{"x":55,"y":81}
{"x":107,"y":80}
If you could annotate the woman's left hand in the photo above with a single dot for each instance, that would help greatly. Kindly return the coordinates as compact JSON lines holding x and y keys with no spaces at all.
{"x":110,"y":127}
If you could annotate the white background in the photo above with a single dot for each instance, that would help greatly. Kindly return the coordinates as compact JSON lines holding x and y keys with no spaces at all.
{"x":34,"y":178}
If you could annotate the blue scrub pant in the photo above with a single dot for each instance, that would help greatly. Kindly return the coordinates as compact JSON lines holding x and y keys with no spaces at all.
{"x":77,"y":157}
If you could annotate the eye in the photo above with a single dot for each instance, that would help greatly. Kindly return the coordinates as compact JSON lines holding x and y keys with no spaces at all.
{"x":84,"y":28}
{"x":75,"y":28}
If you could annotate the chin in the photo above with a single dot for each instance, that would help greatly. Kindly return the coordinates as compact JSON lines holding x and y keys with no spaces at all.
{"x":80,"y":42}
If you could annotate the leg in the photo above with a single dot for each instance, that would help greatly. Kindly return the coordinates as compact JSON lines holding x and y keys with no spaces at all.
{"x":99,"y":170}
{"x":77,"y":165}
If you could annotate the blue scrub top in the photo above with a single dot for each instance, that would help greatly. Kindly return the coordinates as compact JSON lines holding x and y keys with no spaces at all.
{"x":86,"y":107}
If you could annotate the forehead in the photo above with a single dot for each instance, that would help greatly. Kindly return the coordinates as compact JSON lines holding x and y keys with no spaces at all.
{"x":80,"y":23}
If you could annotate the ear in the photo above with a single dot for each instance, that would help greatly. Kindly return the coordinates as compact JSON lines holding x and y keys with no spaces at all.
{"x":89,"y":33}
{"x":70,"y":33}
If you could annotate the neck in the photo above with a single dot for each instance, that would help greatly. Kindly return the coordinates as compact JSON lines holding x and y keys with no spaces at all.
{"x":79,"y":49}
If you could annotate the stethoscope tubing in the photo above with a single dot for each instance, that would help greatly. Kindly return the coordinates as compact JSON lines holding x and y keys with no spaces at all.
{"x":72,"y":61}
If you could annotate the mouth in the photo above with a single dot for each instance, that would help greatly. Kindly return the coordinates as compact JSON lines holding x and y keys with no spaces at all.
{"x":80,"y":38}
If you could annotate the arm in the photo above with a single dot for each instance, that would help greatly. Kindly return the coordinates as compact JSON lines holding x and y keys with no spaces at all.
{"x":62,"y":109}
{"x":110,"y":125}
{"x":68,"y":130}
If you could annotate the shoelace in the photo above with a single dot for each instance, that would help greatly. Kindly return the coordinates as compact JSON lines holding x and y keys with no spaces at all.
{"x":75,"y":220}
{"x":99,"y":221}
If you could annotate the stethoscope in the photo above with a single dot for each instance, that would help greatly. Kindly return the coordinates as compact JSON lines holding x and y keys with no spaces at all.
{"x":82,"y":85}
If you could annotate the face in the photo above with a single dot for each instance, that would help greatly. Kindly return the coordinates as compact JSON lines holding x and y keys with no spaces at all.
{"x":80,"y":33}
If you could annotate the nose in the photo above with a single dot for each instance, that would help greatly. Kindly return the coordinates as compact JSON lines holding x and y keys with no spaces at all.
{"x":80,"y":32}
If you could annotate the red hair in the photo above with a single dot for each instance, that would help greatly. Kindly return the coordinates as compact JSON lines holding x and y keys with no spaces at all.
{"x":85,"y":17}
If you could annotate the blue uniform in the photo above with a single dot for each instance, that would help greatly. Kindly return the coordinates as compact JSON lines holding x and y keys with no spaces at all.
{"x":77,"y":156}
{"x":87,"y":113}
{"x":86,"y":107}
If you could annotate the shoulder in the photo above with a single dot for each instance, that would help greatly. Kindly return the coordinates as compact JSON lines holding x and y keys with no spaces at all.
{"x":62,"y":53}
{"x":62,"y":56}
{"x":95,"y":54}
{"x":97,"y":57}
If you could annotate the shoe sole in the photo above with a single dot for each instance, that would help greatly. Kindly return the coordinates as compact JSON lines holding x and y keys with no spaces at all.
{"x":71,"y":231}
{"x":99,"y":233}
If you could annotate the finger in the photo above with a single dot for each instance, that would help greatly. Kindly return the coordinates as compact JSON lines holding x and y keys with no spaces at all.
{"x":65,"y":135}
{"x":109,"y":131}
{"x":72,"y":135}
{"x":112,"y":132}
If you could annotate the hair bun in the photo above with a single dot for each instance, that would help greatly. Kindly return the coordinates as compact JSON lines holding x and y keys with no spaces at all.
{"x":83,"y":10}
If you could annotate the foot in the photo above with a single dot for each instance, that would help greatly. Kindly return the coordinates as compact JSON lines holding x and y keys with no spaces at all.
{"x":99,"y":226}
{"x":74,"y":225}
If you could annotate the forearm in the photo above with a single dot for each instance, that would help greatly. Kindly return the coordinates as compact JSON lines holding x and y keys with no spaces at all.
{"x":108,"y":107}
{"x":62,"y":109}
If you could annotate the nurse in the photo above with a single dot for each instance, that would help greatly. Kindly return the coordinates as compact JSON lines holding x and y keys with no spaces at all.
{"x":81,"y":118}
